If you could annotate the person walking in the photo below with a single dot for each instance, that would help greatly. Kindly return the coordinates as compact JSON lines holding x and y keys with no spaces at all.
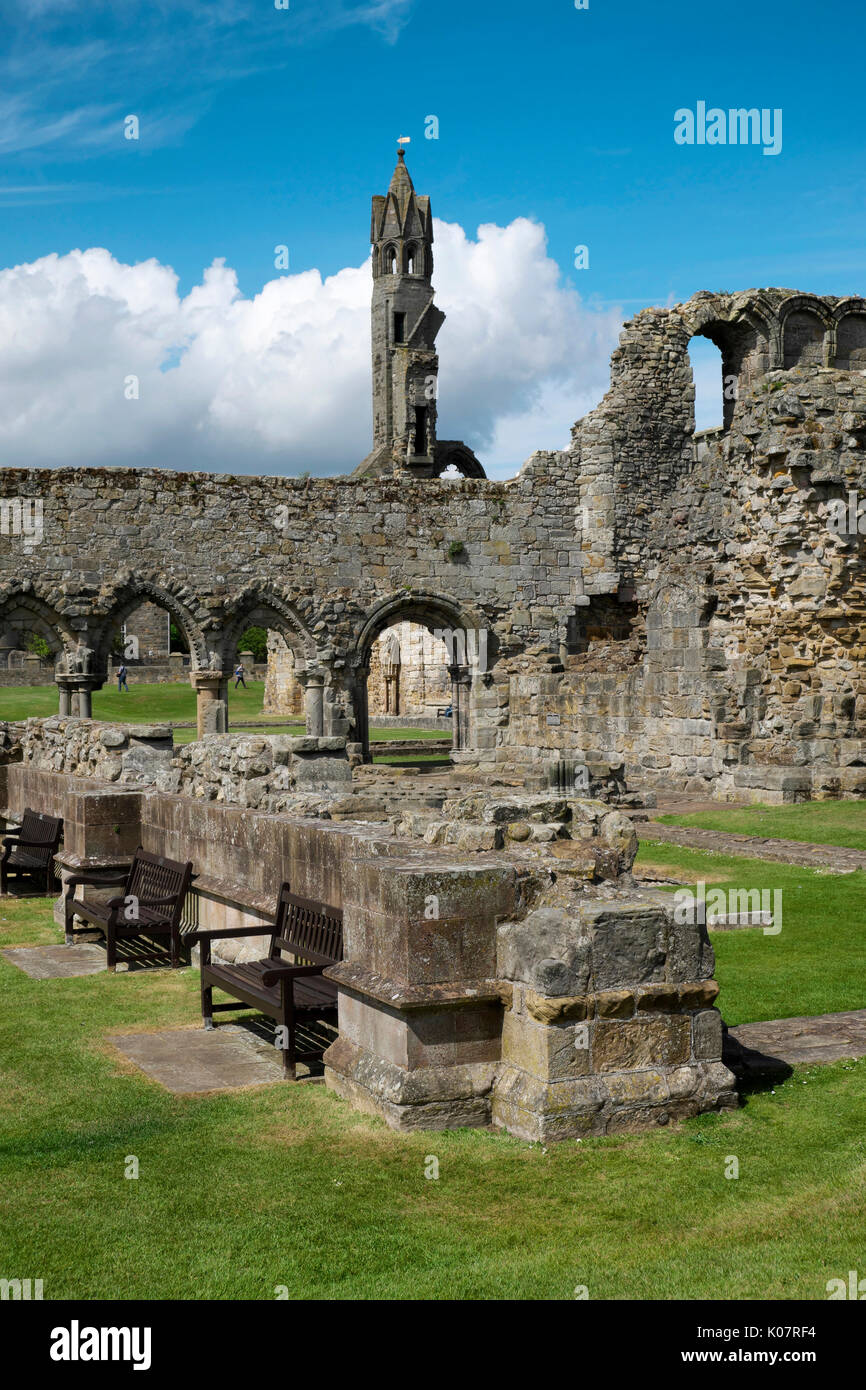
{"x":121,"y":679}
{"x":239,"y":675}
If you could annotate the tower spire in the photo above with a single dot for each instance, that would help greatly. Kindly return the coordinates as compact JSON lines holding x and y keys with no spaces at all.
{"x":405,"y":322}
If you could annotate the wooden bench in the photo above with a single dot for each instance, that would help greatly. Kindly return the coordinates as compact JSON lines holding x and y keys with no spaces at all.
{"x":311,"y":933}
{"x":150,"y":905}
{"x":31,"y":848}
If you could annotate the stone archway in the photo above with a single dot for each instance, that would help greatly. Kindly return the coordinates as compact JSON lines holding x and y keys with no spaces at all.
{"x":265,"y":607}
{"x":465,"y":635}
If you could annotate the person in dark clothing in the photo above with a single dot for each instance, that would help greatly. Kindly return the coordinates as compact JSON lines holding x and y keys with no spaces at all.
{"x":121,"y":679}
{"x":239,"y":676}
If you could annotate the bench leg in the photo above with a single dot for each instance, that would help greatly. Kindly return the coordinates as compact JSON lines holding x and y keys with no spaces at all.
{"x":111,"y":949}
{"x":287,"y":1023}
{"x":68,"y":919}
{"x":207,"y":1006}
{"x":175,"y":949}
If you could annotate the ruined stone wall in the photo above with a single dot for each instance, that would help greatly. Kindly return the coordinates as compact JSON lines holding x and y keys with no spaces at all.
{"x":683,"y":607}
{"x":424,"y":682}
{"x":149,"y":626}
{"x":283,"y":692}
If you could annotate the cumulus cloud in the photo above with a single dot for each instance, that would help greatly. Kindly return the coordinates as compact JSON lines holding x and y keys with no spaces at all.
{"x":103,"y":363}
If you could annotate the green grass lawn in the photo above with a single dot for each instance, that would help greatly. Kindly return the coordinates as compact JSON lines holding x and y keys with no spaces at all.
{"x":816,"y":964}
{"x":144,"y":704}
{"x":821,"y":822}
{"x":285,"y":1185}
{"x":167,"y":703}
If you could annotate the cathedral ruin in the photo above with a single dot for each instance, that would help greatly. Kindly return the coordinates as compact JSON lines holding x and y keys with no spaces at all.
{"x":648,"y":608}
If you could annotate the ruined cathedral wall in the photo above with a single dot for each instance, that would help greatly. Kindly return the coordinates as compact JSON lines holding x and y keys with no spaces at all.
{"x":751,"y":679}
{"x":332,"y":548}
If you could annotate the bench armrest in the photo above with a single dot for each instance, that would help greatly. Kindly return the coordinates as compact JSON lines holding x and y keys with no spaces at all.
{"x":283,"y":971}
{"x":208,"y":934}
{"x":10,"y":831}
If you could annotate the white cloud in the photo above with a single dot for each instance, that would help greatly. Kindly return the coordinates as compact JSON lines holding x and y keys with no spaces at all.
{"x":281,"y":382}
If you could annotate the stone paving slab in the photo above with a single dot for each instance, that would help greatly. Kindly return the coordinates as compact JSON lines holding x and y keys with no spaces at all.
{"x":190,"y":1061}
{"x":773,"y":1048}
{"x":57,"y":962}
{"x":832,"y":857}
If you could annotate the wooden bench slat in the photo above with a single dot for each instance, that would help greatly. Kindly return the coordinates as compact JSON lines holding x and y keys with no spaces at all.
{"x":306,"y":932}
{"x":32,"y":848}
{"x":150,"y":877}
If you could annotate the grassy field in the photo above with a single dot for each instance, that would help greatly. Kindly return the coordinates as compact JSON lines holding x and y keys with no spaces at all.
{"x":167,"y":703}
{"x":285,"y":1185}
{"x":144,"y":704}
{"x":821,"y":822}
{"x":815,"y":965}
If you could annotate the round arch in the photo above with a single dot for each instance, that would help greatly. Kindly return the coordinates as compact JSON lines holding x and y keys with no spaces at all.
{"x":849,"y":334}
{"x":804,"y":307}
{"x":462,"y":628}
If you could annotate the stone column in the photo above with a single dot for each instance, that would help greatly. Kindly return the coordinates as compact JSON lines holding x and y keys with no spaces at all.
{"x":314,"y":701}
{"x":460,"y":687}
{"x":212,"y":701}
{"x":64,"y":689}
{"x":76,"y":694}
{"x":362,"y":711}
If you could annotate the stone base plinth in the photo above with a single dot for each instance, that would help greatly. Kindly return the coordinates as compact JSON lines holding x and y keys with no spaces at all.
{"x":447,"y":1097}
{"x":619,"y":1102}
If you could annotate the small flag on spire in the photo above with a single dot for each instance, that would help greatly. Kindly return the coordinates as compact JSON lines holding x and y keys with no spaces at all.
{"x":404,"y":139}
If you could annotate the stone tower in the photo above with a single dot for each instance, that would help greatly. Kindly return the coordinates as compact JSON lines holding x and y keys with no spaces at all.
{"x":405,"y":322}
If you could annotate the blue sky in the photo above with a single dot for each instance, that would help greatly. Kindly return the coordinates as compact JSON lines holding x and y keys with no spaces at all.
{"x":262,"y":126}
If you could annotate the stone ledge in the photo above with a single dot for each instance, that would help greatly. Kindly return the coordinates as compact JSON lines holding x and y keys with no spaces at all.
{"x":621,"y":1003}
{"x":355,"y":979}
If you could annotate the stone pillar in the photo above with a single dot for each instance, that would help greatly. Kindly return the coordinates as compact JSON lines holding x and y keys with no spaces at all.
{"x":461,"y":682}
{"x":82,"y":701}
{"x":64,"y":689}
{"x":76,"y":694}
{"x":611,"y":1025}
{"x":314,"y":701}
{"x":420,"y":1009}
{"x":212,"y":701}
{"x":362,"y":711}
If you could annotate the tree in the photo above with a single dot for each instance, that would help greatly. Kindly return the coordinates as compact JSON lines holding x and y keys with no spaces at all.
{"x":34,"y":643}
{"x":254,"y":640}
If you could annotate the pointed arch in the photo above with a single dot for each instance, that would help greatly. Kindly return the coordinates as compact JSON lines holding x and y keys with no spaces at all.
{"x":264,"y":606}
{"x":21,"y":604}
{"x":129,"y":593}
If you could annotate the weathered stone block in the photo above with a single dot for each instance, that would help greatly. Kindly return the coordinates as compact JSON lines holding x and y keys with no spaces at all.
{"x":637,"y":1044}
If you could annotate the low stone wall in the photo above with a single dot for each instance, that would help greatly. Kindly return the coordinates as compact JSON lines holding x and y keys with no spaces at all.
{"x":270,"y":772}
{"x":126,"y":753}
{"x":513,"y":990}
{"x":24,"y":676}
{"x":267,"y":772}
